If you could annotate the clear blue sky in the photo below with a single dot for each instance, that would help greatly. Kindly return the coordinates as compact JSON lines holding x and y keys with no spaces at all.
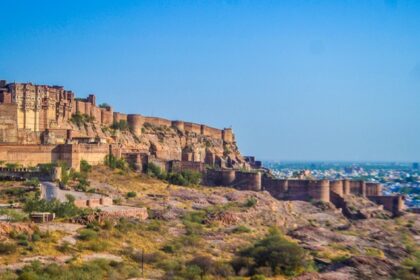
{"x":297,"y":80}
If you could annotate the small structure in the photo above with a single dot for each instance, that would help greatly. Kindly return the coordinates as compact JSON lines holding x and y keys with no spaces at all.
{"x":42,"y":217}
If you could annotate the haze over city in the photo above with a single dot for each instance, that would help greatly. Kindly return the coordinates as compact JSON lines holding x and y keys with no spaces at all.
{"x":292,"y":85}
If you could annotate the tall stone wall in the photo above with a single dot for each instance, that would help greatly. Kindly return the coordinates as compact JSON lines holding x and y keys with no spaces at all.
{"x":394,"y":204}
{"x":158,"y":121}
{"x":96,"y":113}
{"x":248,"y":181}
{"x":211,"y":132}
{"x":32,"y":155}
{"x":227,"y":135}
{"x":8,"y":123}
{"x":178,"y":125}
{"x":179,"y":166}
{"x":119,"y":117}
{"x":373,"y":189}
{"x":107,"y":116}
{"x":192,"y":127}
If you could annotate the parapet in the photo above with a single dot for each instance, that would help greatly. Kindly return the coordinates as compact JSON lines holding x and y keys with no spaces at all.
{"x":211,"y":132}
{"x":119,"y":117}
{"x":192,"y":127}
{"x":157,"y":121}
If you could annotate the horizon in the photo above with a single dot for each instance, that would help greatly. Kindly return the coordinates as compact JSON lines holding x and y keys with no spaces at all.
{"x":293,"y":86}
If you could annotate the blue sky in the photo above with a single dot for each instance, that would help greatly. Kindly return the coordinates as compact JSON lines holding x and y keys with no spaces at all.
{"x":297,"y":80}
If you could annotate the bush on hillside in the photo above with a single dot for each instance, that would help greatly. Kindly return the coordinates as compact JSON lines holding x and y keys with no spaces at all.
{"x":113,"y":162}
{"x":85,"y":167}
{"x":275,"y":253}
{"x":61,"y":209}
{"x":121,"y":125}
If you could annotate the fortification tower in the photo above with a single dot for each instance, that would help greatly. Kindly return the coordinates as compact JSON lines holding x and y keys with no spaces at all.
{"x":135,"y":122}
{"x":228,"y":177}
{"x":319,"y":190}
{"x":337,"y":187}
{"x":178,"y":125}
{"x":346,"y":187}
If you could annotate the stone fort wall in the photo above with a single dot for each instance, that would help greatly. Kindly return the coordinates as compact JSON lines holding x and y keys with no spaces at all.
{"x":72,"y":154}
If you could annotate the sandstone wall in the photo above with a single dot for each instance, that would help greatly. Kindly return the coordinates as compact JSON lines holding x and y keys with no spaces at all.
{"x":227,"y":135}
{"x":158,"y":121}
{"x":248,"y":180}
{"x":373,"y":189}
{"x":178,"y":125}
{"x":8,"y":123}
{"x":119,"y":117}
{"x":211,"y":132}
{"x":107,"y":116}
{"x":394,"y":204}
{"x":192,"y":127}
{"x":179,"y":166}
{"x":32,"y":155}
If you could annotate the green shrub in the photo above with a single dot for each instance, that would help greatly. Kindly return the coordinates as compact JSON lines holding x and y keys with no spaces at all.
{"x":131,"y":194}
{"x":275,"y":252}
{"x":251,"y":202}
{"x":85,"y":167}
{"x":122,"y":125}
{"x":96,"y":245}
{"x":61,"y":209}
{"x":87,"y":234}
{"x":7,"y":248}
{"x":112,"y":162}
{"x":156,"y":172}
{"x":14,"y":215}
{"x":34,"y":182}
{"x":185,"y":178}
{"x":81,"y":119}
{"x":241,"y":229}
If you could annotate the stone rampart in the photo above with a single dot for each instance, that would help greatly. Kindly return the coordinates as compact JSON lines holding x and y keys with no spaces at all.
{"x":373,"y":189}
{"x":192,"y":127}
{"x":227,"y":135}
{"x":180,"y":166}
{"x":107,"y":116}
{"x":178,"y":125}
{"x":158,"y":121}
{"x":337,"y":187}
{"x":394,"y":204}
{"x":211,"y":132}
{"x":247,"y":181}
{"x":72,"y":154}
{"x":119,"y":117}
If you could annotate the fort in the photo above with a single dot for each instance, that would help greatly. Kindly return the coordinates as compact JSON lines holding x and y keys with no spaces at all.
{"x":42,"y":124}
{"x":48,"y":124}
